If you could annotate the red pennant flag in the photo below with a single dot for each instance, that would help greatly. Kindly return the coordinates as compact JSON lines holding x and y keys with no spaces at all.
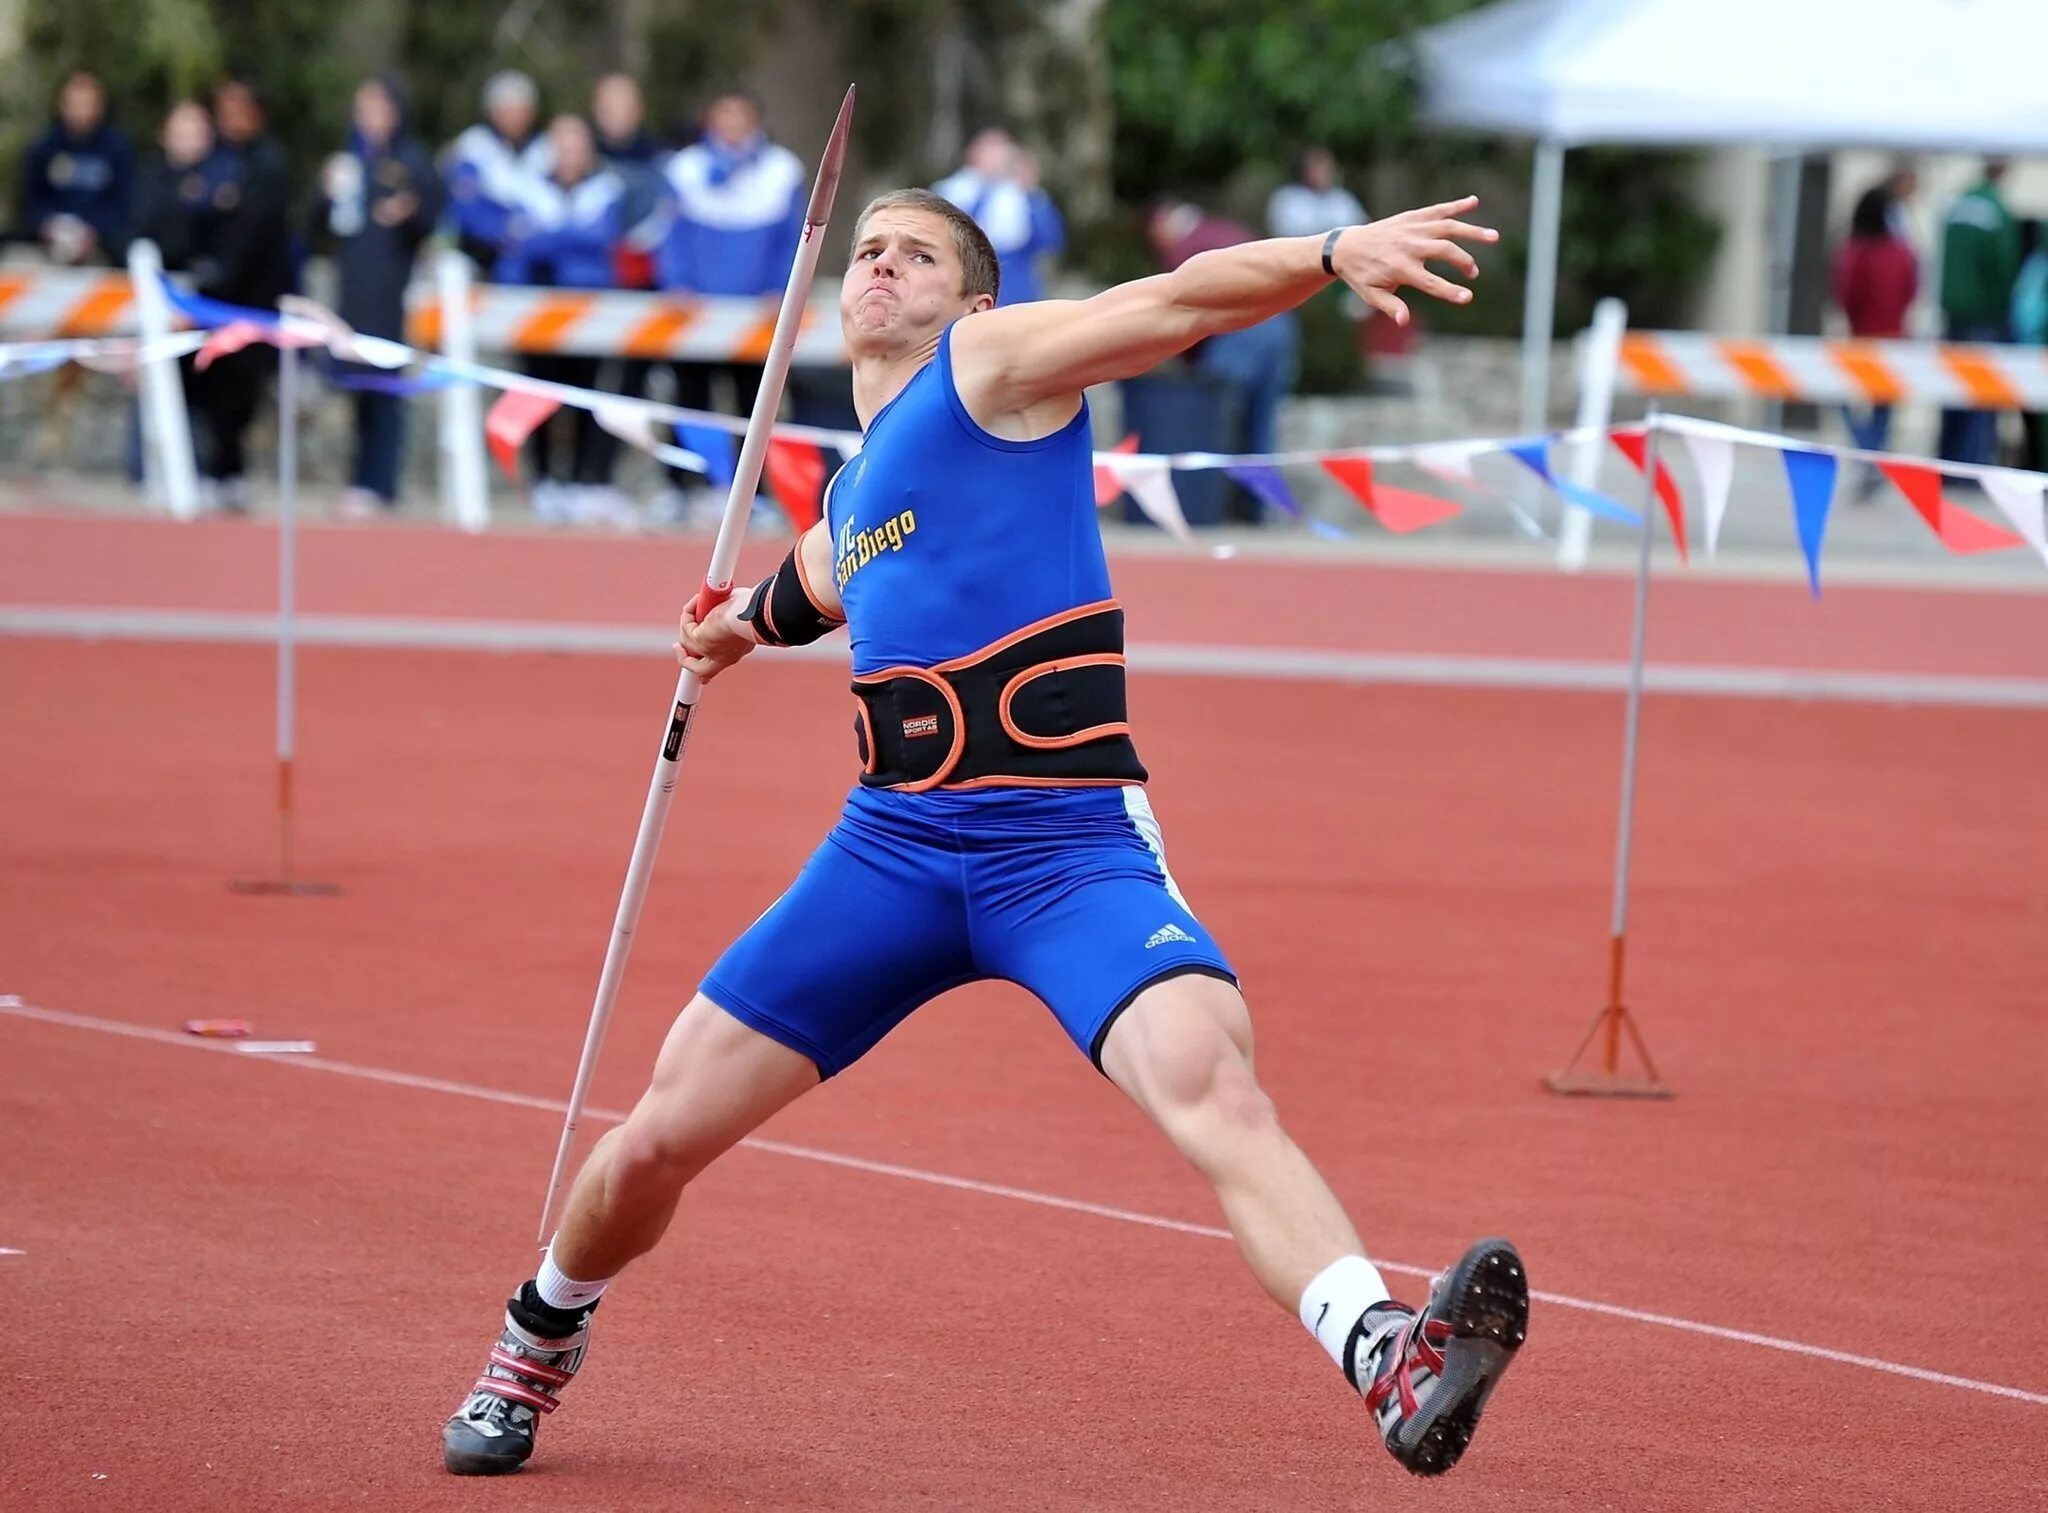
{"x":1959,"y":530}
{"x":515,"y":416}
{"x":1108,"y":486}
{"x":1636,"y":449}
{"x":796,"y":472}
{"x":1399,"y":510}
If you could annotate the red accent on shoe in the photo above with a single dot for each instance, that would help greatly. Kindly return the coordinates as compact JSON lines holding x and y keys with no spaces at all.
{"x":518,"y":1392}
{"x":553,"y":1376}
{"x":1414,"y":1345}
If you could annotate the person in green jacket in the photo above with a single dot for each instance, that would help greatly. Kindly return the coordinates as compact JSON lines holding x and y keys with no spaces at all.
{"x":1980,"y":260}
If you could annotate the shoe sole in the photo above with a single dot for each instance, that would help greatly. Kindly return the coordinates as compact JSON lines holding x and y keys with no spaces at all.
{"x":1485,"y":1300}
{"x":461,"y":1462}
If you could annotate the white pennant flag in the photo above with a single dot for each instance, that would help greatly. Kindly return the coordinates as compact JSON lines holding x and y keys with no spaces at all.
{"x":2019,"y":499}
{"x":1150,"y":482}
{"x":1452,"y":462}
{"x":632,"y":424}
{"x":1715,"y":459}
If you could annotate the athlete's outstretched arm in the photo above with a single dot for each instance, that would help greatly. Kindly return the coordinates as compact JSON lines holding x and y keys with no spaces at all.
{"x":708,"y":647}
{"x":1023,"y":355}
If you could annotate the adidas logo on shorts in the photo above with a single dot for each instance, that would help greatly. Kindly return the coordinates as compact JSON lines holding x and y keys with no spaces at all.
{"x":1168,"y":935}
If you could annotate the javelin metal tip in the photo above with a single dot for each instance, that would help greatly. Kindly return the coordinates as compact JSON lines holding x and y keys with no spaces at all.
{"x":832,"y":164}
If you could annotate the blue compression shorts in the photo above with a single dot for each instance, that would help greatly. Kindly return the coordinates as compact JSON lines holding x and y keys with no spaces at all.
{"x":1062,"y":891}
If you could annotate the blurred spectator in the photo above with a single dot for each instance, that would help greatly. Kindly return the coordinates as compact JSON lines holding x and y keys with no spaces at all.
{"x":618,"y":112}
{"x":1332,"y":324}
{"x":378,"y":201}
{"x":1313,"y":202}
{"x":1258,"y":361}
{"x":78,"y":180}
{"x":174,"y":209}
{"x":736,"y":201}
{"x":998,"y":186}
{"x":487,"y":164}
{"x":562,"y":234}
{"x":174,"y":194}
{"x":1980,"y":259}
{"x":249,"y":263}
{"x":1876,"y":279}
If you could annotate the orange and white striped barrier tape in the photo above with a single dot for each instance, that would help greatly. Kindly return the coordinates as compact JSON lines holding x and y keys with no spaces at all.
{"x":65,"y":302}
{"x":626,"y":323}
{"x":52,"y":303}
{"x":1828,"y":370}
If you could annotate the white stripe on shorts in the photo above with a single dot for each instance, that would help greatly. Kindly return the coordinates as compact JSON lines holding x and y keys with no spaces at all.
{"x":1139,"y":808}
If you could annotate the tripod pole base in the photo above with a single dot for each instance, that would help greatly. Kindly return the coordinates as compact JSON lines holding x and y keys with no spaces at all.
{"x":1608,"y":1080}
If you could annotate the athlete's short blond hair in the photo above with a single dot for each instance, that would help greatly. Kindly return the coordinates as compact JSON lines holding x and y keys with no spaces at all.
{"x":979,"y":273}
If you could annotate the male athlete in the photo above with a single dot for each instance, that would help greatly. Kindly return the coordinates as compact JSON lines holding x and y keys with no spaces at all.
{"x":999,"y":822}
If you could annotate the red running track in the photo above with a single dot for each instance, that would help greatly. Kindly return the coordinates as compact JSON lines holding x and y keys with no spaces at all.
{"x":250,"y":1284}
{"x":1340,"y":605}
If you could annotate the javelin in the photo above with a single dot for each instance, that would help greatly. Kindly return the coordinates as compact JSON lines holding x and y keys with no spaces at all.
{"x":717,"y":589}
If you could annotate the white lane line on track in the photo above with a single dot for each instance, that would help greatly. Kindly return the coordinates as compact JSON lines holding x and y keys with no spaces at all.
{"x":1300,"y":664}
{"x":16,"y":1008}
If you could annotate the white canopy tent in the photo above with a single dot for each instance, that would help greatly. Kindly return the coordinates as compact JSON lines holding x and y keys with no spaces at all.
{"x":1924,"y":75}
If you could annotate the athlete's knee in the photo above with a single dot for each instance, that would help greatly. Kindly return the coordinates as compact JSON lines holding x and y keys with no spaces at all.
{"x":1236,"y":1100}
{"x":1205,"y":1081}
{"x":659,"y":1147}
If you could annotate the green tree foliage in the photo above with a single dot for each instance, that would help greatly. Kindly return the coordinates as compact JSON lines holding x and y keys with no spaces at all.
{"x":1214,"y":97}
{"x":1206,"y":89}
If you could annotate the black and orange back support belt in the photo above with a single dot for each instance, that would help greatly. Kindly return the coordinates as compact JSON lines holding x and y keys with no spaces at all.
{"x":1043,"y":707}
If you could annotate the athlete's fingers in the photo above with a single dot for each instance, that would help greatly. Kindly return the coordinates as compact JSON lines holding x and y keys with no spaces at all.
{"x":1452,"y":253}
{"x":1464,"y":231}
{"x":1422,"y":281}
{"x":1387,"y":303}
{"x":1447,"y":210}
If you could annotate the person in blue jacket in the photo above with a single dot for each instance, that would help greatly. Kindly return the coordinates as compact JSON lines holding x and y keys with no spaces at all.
{"x":78,"y":180}
{"x":998,"y":186}
{"x":486,"y":165}
{"x":563,"y":233}
{"x":736,"y":205}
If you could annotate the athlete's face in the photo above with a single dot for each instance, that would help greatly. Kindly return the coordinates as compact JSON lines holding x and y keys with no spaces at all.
{"x":903,"y":286}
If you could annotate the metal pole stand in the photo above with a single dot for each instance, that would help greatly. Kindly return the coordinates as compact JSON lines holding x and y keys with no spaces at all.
{"x":287,"y":641}
{"x":1609,"y":1081}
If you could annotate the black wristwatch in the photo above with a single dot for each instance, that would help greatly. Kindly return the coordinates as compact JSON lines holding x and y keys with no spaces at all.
{"x":1329,"y":247}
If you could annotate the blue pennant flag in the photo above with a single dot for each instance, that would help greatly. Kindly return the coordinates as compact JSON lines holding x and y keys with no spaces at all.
{"x":1266,"y":484}
{"x":208,"y":313}
{"x":1535,"y":456}
{"x":715,"y":447}
{"x":1812,"y":476}
{"x":394,"y":383}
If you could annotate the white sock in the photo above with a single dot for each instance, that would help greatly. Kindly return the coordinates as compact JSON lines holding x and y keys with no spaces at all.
{"x":558,"y":1291}
{"x":1338,"y":1298}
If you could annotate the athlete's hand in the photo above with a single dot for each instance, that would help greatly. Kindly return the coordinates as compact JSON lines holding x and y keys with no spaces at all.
{"x":1377,"y":258}
{"x":721,"y":639}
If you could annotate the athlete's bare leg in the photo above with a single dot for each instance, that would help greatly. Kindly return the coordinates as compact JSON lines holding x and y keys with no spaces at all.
{"x":1183,"y":1051}
{"x":714,"y":1082}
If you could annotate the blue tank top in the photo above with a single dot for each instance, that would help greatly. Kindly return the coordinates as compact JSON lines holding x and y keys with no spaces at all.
{"x":945,"y":538}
